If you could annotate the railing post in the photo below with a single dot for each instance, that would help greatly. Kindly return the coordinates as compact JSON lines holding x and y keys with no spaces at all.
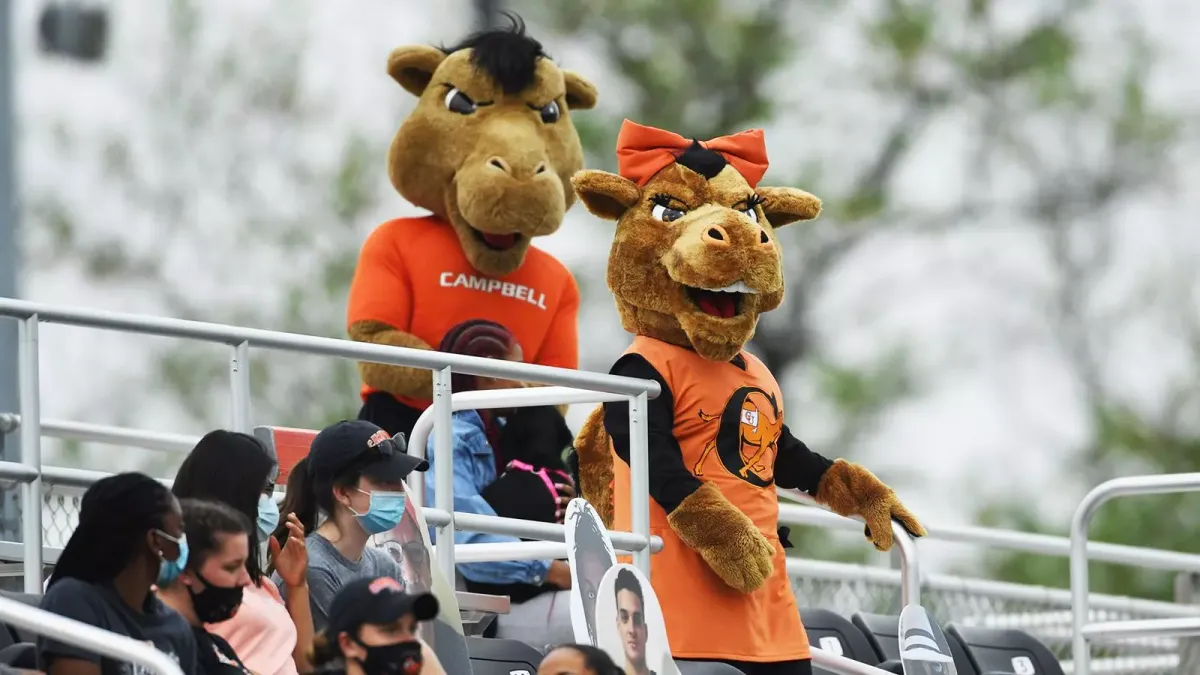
{"x":239,"y":381}
{"x":443,"y":469}
{"x":31,"y":452}
{"x":639,"y":477}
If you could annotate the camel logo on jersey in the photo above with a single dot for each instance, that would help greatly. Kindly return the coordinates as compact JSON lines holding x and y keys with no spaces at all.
{"x":747,"y":437}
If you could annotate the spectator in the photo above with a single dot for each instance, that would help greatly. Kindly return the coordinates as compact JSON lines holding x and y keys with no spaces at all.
{"x":353,"y":478}
{"x":236,"y":469}
{"x":372,"y":630}
{"x":209,"y":590}
{"x":538,"y":589}
{"x":130,"y":536}
{"x":577,"y":659}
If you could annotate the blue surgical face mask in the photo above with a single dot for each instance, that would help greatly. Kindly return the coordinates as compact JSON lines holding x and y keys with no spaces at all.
{"x":386,"y":511}
{"x":168,"y":570}
{"x":268,"y":516}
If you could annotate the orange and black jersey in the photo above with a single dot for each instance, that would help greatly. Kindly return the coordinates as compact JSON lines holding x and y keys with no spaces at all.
{"x":671,"y":481}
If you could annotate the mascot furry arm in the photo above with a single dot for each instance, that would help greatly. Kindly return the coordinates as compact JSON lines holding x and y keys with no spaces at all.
{"x":694,"y":261}
{"x":489,"y":150}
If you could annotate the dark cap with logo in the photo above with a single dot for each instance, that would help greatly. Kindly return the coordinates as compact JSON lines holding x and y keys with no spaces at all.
{"x":359,"y":445}
{"x":376,"y":601}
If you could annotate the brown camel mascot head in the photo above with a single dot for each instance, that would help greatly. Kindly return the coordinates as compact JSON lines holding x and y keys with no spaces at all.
{"x":490,"y":147}
{"x":695,"y":259}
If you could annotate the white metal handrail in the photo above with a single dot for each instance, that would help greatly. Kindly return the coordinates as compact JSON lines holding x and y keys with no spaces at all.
{"x":31,"y":315}
{"x":910,"y":570}
{"x":1027,"y":542}
{"x":119,"y":647}
{"x":1082,"y":630}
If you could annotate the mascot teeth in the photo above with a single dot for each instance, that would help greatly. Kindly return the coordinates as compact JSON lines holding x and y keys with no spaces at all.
{"x":739,"y":287}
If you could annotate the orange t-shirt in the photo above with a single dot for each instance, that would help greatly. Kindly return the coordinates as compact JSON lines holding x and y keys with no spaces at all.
{"x":728,"y":421}
{"x":413,"y":275}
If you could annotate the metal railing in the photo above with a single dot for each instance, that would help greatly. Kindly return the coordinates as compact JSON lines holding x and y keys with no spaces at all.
{"x":98,"y":640}
{"x":1083,"y":632}
{"x":32,"y":315}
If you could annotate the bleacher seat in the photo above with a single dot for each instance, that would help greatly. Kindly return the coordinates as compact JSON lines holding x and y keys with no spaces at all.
{"x":288,"y":446}
{"x":883,"y":633}
{"x":835,"y":634}
{"x":17,"y":646}
{"x":993,"y":651}
{"x":492,"y":656}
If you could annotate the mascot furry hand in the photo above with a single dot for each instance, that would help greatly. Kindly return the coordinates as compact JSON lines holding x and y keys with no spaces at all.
{"x":694,"y":261}
{"x":489,"y":150}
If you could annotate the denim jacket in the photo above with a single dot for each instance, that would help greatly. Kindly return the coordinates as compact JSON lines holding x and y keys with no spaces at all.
{"x":475,"y":469}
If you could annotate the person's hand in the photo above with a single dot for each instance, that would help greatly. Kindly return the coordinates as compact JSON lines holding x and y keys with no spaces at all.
{"x":565,"y":494}
{"x":290,"y":560}
{"x":559,"y":575}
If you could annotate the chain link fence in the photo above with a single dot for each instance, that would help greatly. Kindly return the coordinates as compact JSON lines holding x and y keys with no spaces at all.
{"x":951,"y":600}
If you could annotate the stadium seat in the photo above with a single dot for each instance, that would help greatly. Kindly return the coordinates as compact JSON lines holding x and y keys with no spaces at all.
{"x":288,"y":445}
{"x":883,"y":633}
{"x":834,"y":633}
{"x":1004,"y":651}
{"x":502,"y":657}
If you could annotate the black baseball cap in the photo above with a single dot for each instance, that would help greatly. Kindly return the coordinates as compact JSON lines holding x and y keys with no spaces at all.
{"x":376,"y":601}
{"x":359,"y":445}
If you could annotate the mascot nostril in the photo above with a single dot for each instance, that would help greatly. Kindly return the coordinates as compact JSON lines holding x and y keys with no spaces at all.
{"x":717,"y":431}
{"x":492,"y":182}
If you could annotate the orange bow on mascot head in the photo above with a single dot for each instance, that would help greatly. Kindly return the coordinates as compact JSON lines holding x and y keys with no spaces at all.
{"x":694,"y":261}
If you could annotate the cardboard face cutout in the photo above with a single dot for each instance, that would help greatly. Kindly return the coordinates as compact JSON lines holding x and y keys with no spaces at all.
{"x":590,"y":555}
{"x":408,"y":545}
{"x":630,"y":624}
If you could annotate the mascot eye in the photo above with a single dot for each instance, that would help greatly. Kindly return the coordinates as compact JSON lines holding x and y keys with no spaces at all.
{"x":751,"y":213}
{"x":550,"y":112}
{"x":666,"y":213}
{"x":458,"y":102}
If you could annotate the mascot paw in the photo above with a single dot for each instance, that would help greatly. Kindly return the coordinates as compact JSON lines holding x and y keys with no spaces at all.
{"x":852,"y":490}
{"x":725,"y":537}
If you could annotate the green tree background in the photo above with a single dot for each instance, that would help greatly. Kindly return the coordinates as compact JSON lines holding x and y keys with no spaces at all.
{"x":1085,"y":146}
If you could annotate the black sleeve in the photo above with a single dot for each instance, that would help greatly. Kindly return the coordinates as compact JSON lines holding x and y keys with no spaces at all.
{"x":77,"y":600}
{"x":798,"y":467}
{"x":670,"y":480}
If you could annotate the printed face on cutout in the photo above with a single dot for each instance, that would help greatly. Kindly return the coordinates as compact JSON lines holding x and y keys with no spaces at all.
{"x":631,"y":625}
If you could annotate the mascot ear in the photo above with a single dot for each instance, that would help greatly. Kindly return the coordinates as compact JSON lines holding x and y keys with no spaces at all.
{"x":784,"y":206}
{"x":606,"y":195}
{"x":413,"y":66}
{"x":581,"y":94}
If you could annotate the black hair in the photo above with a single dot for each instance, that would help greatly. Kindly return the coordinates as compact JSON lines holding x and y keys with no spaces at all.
{"x":232,"y":468}
{"x":707,"y":163}
{"x":203,"y":520}
{"x":627,"y":582}
{"x":594,"y":658}
{"x":115,"y":514}
{"x":308,"y":495}
{"x":507,"y":55}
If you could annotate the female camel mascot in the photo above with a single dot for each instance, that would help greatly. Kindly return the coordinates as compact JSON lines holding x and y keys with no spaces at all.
{"x":489,"y":150}
{"x":694,"y":261}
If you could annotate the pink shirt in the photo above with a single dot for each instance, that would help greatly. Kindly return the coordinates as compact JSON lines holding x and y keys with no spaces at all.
{"x":262,"y":632}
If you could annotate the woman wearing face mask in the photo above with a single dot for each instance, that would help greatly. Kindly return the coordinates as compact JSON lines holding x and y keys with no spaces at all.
{"x":372,"y":631}
{"x":353,"y":478}
{"x":210,"y":587}
{"x":130,"y":536}
{"x":236,"y":469}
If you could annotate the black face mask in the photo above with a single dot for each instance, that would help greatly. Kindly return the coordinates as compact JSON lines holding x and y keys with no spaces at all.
{"x":402,"y":658}
{"x":215,"y":604}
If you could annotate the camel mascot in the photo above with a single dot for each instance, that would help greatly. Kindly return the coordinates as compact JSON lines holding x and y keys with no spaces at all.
{"x":694,"y":261}
{"x":489,"y":150}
